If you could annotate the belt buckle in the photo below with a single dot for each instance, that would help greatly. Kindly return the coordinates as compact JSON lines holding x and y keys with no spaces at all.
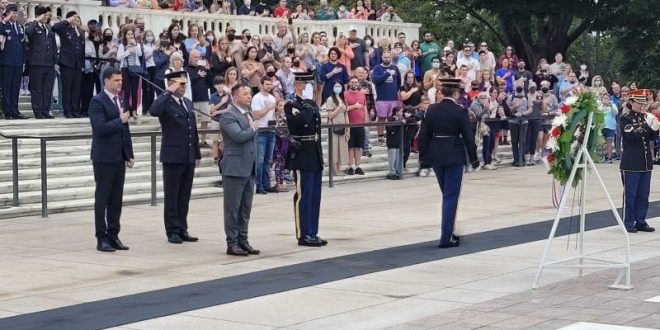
{"x":316,"y":138}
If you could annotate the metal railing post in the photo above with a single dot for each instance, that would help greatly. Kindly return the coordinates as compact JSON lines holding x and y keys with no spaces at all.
{"x":402,"y":149}
{"x":331,"y":162}
{"x":14,"y":171}
{"x":521,"y":142}
{"x":44,"y":179}
{"x":154,"y":200}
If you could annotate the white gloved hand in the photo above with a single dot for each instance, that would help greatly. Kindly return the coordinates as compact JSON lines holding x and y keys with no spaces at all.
{"x":652,"y":121}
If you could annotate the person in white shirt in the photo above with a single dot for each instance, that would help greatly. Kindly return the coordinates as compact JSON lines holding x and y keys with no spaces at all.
{"x":472,"y":64}
{"x":148,"y":91}
{"x":263,"y":108}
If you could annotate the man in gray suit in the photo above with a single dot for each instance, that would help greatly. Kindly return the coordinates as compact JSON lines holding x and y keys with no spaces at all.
{"x":239,"y":133}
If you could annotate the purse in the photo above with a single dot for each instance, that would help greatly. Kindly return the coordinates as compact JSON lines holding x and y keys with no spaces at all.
{"x":137,"y":71}
{"x":339,"y":130}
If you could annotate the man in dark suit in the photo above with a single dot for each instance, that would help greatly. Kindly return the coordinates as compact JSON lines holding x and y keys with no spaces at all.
{"x":12,"y":59}
{"x":443,"y":138}
{"x":71,"y":61}
{"x":42,"y":56}
{"x":239,"y":133}
{"x":179,"y":153}
{"x":112,"y":152}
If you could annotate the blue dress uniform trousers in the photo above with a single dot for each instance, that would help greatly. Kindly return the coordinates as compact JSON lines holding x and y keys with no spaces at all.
{"x":307,"y":202}
{"x":11,"y":86}
{"x":450,"y":179}
{"x":636,"y":189}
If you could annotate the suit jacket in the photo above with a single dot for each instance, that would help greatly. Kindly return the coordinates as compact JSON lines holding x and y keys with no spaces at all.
{"x":13,"y":52}
{"x":72,"y":46}
{"x":111,"y":139}
{"x":445,"y":134}
{"x":180,"y":143}
{"x":240,"y":144}
{"x":42,"y":49}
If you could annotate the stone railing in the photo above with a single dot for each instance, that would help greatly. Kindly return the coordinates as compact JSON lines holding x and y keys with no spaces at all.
{"x":159,"y":20}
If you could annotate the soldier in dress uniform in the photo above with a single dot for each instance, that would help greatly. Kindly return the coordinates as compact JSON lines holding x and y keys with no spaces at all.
{"x":443,"y":138}
{"x":305,"y":158}
{"x":71,"y":62}
{"x":179,"y":153}
{"x":42,"y":56}
{"x":12,"y":59}
{"x":638,"y":129}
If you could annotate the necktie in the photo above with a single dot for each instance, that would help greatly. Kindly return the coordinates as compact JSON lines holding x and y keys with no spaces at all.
{"x":15,"y":28}
{"x":116,"y":99}
{"x":183,"y":105}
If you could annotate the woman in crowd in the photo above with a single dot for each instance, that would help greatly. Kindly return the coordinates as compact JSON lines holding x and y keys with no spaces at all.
{"x":356,"y":104}
{"x":256,"y":42}
{"x":129,"y":56}
{"x":220,"y":59}
{"x":277,"y":90}
{"x":410,"y":95}
{"x":416,"y":60}
{"x":176,"y":40}
{"x":511,"y":56}
{"x":195,"y":40}
{"x":324,"y":41}
{"x":148,"y":91}
{"x":534,"y":128}
{"x":281,"y":145}
{"x":305,"y":51}
{"x":495,"y":113}
{"x":360,"y":11}
{"x":252,"y":70}
{"x":337,"y":113}
{"x":371,"y":51}
{"x":451,"y":63}
{"x":346,"y":53}
{"x":176,"y":65}
{"x":487,"y":81}
{"x":162,"y":60}
{"x":107,"y":50}
{"x":300,"y":13}
{"x":333,"y":72}
{"x":231,"y":77}
{"x":211,"y":41}
{"x":462,"y":74}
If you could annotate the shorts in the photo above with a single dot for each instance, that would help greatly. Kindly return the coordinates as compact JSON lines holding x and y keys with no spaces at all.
{"x":546,"y":128}
{"x":609,"y":133}
{"x":356,"y":140}
{"x":384,"y":109}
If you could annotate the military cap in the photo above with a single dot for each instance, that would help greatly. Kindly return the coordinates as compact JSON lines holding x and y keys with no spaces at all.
{"x":179,"y":76}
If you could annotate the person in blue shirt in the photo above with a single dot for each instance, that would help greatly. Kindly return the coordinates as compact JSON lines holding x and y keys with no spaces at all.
{"x":609,"y":131}
{"x":332,"y":72}
{"x":504,"y":75}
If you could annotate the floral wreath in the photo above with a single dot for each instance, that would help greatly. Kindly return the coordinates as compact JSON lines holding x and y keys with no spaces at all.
{"x":567,"y":135}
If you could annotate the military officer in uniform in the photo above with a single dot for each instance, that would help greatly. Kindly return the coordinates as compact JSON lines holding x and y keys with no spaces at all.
{"x":11,"y":59}
{"x":179,"y":153}
{"x":638,"y":129}
{"x":305,"y":158}
{"x":42,"y":56}
{"x":444,"y":136}
{"x":71,"y":62}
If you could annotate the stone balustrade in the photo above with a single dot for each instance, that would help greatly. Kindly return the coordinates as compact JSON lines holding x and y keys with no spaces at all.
{"x":159,"y":20}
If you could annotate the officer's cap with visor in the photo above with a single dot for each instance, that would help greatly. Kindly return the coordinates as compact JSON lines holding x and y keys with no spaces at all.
{"x":179,"y":76}
{"x":303,"y":76}
{"x":639,"y":96}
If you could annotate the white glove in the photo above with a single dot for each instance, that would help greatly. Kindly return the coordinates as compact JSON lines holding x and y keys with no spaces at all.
{"x":652,"y":121}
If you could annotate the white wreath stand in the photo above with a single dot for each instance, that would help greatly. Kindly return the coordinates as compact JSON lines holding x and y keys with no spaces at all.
{"x":584,"y":161}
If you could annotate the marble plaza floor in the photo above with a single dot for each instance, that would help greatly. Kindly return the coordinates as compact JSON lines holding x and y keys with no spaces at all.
{"x":382,"y":268}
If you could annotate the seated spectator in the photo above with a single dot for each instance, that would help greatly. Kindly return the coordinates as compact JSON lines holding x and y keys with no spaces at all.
{"x":196,"y":6}
{"x":263,"y":9}
{"x":390,"y":16}
{"x":223,"y":7}
{"x":343,"y":13}
{"x":360,"y":11}
{"x":282,"y":10}
{"x":247,"y":8}
{"x":325,"y":12}
{"x":123,"y":3}
{"x":300,"y":13}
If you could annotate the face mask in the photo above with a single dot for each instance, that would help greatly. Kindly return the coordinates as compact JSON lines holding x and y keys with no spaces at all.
{"x":544,"y":89}
{"x":368,"y":42}
{"x":436,"y":65}
{"x":231,"y":36}
{"x":210,"y":38}
{"x":354,"y":86}
{"x":521,"y":67}
{"x":597,"y":83}
{"x":296,"y":63}
{"x":337,"y":89}
{"x":248,"y":37}
{"x":270,"y":73}
{"x":532,"y":90}
{"x":107,"y":38}
{"x":519,"y":89}
{"x":149,"y":39}
{"x":291,"y":50}
{"x":583,"y":67}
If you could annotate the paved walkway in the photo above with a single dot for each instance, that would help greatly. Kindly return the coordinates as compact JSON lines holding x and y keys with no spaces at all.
{"x":51,"y":263}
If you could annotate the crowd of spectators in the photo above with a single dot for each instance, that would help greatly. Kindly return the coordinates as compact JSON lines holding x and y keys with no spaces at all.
{"x":358,"y":79}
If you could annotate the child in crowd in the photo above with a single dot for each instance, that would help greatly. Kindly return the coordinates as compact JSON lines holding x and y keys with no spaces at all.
{"x":393,"y":142}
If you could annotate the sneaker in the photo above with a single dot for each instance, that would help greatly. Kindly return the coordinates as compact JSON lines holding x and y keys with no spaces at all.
{"x":391,"y":177}
{"x":489,"y":167}
{"x":537,"y":158}
{"x":359,"y":171}
{"x":366,"y":154}
{"x":349,"y":171}
{"x":424,"y":172}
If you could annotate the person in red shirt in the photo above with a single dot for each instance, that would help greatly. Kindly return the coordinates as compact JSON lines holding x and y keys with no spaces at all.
{"x":356,"y":102}
{"x":282,"y":10}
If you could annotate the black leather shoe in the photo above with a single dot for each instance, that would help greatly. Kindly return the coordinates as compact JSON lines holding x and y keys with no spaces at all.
{"x":117,"y":244}
{"x":19,"y":116}
{"x":48,"y":117}
{"x":175,"y":239}
{"x":75,"y":115}
{"x":456,"y":238}
{"x":187,"y":238}
{"x":449,"y":244}
{"x":236,"y":250}
{"x":645,"y":228}
{"x":309,"y":241}
{"x":272,"y":190}
{"x":104,"y":246}
{"x":38,"y":116}
{"x":323,"y":242}
{"x":631,"y":229}
{"x":248,"y":248}
{"x":262,"y":192}
{"x":359,"y":171}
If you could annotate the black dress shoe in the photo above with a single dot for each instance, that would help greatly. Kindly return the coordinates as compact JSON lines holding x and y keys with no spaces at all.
{"x":38,"y":116}
{"x":645,"y":228}
{"x":456,"y":238}
{"x":323,"y":242}
{"x":104,"y":246}
{"x":450,"y":244}
{"x":631,"y":229}
{"x":75,"y":115}
{"x":68,"y":115}
{"x":262,"y":192}
{"x":248,"y":248}
{"x":187,"y":238}
{"x":117,"y":244}
{"x":272,"y":190}
{"x":236,"y":250}
{"x":47,"y":116}
{"x":19,"y":116}
{"x":309,"y":241}
{"x":175,"y":239}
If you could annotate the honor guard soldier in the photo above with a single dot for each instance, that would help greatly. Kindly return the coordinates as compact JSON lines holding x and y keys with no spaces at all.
{"x":305,"y":158}
{"x":179,"y":153}
{"x":12,"y":58}
{"x":444,"y":136}
{"x":638,"y":129}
